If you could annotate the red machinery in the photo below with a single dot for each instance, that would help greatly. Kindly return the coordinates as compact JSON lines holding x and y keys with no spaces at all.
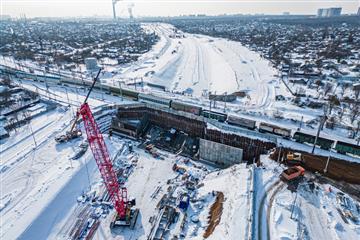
{"x":96,"y":141}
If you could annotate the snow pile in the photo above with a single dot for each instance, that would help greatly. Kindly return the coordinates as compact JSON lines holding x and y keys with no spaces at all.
{"x":233,"y":183}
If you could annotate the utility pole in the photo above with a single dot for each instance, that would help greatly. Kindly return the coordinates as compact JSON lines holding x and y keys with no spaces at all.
{"x":279,"y":155}
{"x":327,"y":164}
{"x":67,"y":96}
{"x":121,"y":91}
{"x":292,"y":210}
{"x":322,"y":121}
{"x":301,"y":122}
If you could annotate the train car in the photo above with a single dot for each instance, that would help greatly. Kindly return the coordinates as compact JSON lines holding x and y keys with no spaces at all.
{"x":47,"y":78}
{"x":265,"y":127}
{"x":125,"y":92}
{"x":102,"y":87}
{"x":130,"y":93}
{"x":221,"y":117}
{"x":179,"y":106}
{"x":147,"y":98}
{"x":307,"y":138}
{"x":241,"y":122}
{"x":343,"y":148}
{"x":286,"y":133}
{"x":73,"y":81}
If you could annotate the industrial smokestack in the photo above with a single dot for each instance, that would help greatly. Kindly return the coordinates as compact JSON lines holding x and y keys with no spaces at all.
{"x":114,"y":10}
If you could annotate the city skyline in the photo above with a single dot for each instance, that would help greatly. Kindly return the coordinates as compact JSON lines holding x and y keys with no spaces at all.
{"x":82,"y":8}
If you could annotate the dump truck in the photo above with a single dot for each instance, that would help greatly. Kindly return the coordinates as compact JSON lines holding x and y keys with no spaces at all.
{"x":293,"y":173}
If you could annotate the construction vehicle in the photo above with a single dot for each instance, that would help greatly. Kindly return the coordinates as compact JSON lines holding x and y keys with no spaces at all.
{"x":125,"y":213}
{"x":294,"y":158}
{"x":293,"y":173}
{"x":69,"y":135}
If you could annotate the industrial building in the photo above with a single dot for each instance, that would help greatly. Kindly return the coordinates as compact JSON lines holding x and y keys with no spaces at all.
{"x":91,"y":64}
{"x":329,"y":12}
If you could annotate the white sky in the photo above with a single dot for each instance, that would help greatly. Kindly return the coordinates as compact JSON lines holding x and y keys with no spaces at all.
{"x":72,"y":8}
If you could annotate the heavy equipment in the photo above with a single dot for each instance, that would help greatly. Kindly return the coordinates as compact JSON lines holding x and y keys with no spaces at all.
{"x":125,"y":214}
{"x":74,"y":131}
{"x":294,"y":158}
{"x":293,"y":173}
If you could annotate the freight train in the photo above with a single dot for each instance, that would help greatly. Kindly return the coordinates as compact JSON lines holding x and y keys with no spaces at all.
{"x":324,"y":143}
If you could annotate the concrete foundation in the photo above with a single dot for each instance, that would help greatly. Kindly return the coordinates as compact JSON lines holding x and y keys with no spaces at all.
{"x":220,"y":154}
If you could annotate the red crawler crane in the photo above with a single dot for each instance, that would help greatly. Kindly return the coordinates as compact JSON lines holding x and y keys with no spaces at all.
{"x":97,"y":144}
{"x":118,"y":195}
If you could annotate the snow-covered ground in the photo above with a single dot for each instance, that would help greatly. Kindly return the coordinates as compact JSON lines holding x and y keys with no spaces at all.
{"x":308,"y":213}
{"x":31,"y":175}
{"x":40,"y":185}
{"x":199,"y":64}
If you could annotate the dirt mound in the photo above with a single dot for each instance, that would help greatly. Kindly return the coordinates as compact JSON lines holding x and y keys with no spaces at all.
{"x":215,"y":214}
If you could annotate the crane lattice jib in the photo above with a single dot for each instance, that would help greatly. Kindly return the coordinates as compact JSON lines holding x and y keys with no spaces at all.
{"x":96,"y":141}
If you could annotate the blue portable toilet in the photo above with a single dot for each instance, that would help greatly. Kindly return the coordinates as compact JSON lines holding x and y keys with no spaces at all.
{"x":184,"y":202}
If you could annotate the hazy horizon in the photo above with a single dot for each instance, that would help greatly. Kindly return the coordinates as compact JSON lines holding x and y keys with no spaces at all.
{"x":142,"y":8}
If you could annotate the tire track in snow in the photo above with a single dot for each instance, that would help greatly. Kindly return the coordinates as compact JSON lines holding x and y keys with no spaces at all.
{"x":260,"y":216}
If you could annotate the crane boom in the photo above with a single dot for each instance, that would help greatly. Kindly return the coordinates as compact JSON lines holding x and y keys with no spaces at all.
{"x":118,"y":195}
{"x":86,"y":98}
{"x":96,"y":141}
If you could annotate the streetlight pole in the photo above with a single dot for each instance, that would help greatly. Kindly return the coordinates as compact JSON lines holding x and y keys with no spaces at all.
{"x":32,"y":134}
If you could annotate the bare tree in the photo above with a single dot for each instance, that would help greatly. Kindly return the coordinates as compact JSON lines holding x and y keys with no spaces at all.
{"x":333,"y":101}
{"x":327,"y":88}
{"x":354,"y":111}
{"x":341,"y":113}
{"x":356,"y":93}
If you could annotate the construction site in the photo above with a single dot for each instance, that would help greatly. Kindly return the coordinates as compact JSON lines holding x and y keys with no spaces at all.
{"x":159,"y":174}
{"x":167,"y":135}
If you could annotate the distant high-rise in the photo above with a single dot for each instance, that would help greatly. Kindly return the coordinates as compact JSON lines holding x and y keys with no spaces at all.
{"x":358,"y":11}
{"x":329,"y":12}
